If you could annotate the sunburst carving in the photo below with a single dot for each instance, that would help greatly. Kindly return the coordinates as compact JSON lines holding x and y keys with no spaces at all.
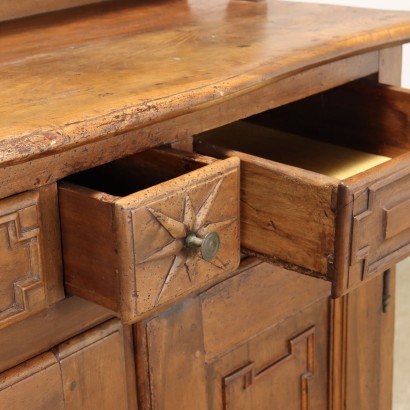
{"x":185,"y":260}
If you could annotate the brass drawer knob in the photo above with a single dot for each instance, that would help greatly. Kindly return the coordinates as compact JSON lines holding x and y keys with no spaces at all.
{"x":209,"y":245}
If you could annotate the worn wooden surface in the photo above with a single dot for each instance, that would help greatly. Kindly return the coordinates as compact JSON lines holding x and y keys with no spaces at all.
{"x":362,"y":348}
{"x":256,"y":340}
{"x":35,"y":385}
{"x":10,"y":9}
{"x":30,"y":255}
{"x":235,"y":310}
{"x":140,"y":217}
{"x":287,"y":213}
{"x":378,"y":117}
{"x":175,"y":350}
{"x":88,"y":371}
{"x":93,"y":369}
{"x":321,"y":209}
{"x":61,"y":321}
{"x":101,"y":62}
{"x":23,"y":175}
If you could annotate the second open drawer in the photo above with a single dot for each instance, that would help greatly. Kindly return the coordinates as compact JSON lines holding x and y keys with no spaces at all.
{"x":314,"y":207}
{"x":144,"y":231}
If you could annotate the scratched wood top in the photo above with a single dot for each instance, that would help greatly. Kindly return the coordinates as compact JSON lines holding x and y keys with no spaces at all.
{"x":75,"y":77}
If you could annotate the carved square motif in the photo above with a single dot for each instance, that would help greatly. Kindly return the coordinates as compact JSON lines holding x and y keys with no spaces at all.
{"x":22,"y":286}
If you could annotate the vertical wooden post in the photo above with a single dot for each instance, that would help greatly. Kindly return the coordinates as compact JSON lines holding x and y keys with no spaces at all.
{"x":390,"y":65}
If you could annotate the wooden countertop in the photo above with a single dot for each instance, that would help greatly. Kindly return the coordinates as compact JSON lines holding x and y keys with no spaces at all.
{"x":72,"y":78}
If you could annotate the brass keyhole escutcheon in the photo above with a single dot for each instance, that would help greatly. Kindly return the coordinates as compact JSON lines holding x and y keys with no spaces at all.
{"x":209,"y":245}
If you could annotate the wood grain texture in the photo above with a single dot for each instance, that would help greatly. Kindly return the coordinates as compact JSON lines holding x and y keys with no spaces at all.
{"x":370,"y":195}
{"x":61,"y":321}
{"x":285,"y":351}
{"x":23,"y":8}
{"x":30,"y":255}
{"x":378,"y":117}
{"x":362,"y":348}
{"x":344,"y":229}
{"x":88,"y":371}
{"x":93,"y":369}
{"x":284,"y":370}
{"x":246,"y":54}
{"x":176,"y":359}
{"x":23,"y":175}
{"x":235,"y":310}
{"x":36,"y":384}
{"x":287,"y":213}
{"x":142,"y":229}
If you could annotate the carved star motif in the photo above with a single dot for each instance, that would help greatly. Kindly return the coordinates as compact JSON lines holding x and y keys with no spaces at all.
{"x":186,"y":259}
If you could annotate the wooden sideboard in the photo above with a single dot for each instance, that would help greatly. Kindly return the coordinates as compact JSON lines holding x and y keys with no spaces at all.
{"x":202,"y":204}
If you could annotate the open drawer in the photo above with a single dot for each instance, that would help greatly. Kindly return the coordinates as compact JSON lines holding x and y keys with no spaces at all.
{"x":318,"y":208}
{"x":144,"y":231}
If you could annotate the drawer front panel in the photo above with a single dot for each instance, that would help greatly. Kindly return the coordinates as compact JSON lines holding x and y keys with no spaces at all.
{"x":141,"y":252}
{"x":316,"y":208}
{"x":157,"y":223}
{"x":88,"y":371}
{"x":381,"y":226}
{"x":30,"y":271}
{"x":274,"y":355}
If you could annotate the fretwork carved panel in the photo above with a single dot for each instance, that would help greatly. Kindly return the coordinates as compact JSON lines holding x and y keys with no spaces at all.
{"x":23,"y":289}
{"x":381,"y":227}
{"x":267,"y":386}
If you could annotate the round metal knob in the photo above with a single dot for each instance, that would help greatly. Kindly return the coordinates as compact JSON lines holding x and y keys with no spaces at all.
{"x":209,"y":245}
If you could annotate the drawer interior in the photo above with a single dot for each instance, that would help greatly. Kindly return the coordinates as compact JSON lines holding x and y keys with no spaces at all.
{"x":139,"y":171}
{"x":363,"y":115}
{"x":294,"y":150}
{"x":145,"y":231}
{"x":324,"y":182}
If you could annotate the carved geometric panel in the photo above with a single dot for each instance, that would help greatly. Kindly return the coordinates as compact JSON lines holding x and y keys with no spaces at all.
{"x":165,"y":268}
{"x":381,"y":226}
{"x":282,"y":382}
{"x":22,"y":284}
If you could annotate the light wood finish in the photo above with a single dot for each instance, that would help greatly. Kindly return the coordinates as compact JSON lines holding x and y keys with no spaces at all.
{"x":82,"y":87}
{"x":86,"y":372}
{"x":30,"y":255}
{"x":145,"y":263}
{"x":292,"y":149}
{"x":16,"y":9}
{"x":36,"y":173}
{"x":326,"y":211}
{"x":362,"y":347}
{"x":279,"y":360}
{"x":93,"y":103}
{"x":391,"y":65}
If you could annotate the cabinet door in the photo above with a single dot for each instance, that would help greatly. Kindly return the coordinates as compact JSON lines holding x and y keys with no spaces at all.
{"x":257,"y":341}
{"x":283,"y":368}
{"x":89,"y":371}
{"x":94,"y":369}
{"x":362,"y":346}
{"x":34,"y":385}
